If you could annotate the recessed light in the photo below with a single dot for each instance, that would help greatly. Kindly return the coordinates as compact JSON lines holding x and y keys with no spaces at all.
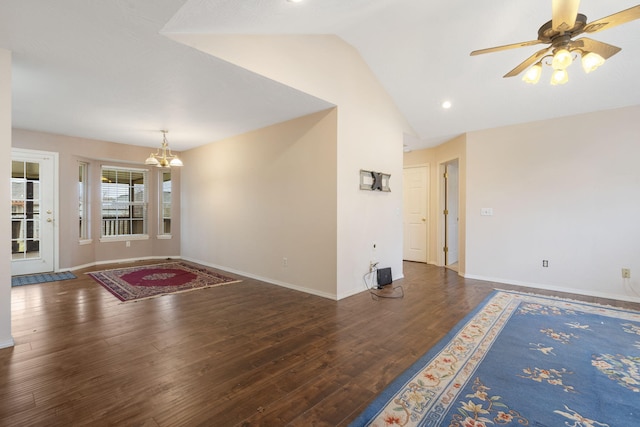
{"x":446,"y":105}
{"x":294,"y":1}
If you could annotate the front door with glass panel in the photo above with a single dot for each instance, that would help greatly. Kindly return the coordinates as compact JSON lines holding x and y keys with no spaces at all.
{"x":32,"y":212}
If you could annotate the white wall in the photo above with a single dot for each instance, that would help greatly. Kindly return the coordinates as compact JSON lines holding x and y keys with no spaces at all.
{"x":5,"y":199}
{"x":369,"y":136}
{"x":565,"y":190}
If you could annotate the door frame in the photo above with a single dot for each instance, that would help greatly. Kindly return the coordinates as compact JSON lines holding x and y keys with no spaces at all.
{"x":442,"y":167}
{"x":54,"y":156}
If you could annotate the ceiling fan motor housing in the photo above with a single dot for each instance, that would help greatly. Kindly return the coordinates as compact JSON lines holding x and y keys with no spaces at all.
{"x":547,"y":34}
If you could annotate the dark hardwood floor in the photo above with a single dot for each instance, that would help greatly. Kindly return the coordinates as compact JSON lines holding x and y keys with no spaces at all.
{"x":250,"y":354}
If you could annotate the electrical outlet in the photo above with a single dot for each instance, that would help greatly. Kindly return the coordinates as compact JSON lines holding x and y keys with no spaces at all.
{"x":128,"y":244}
{"x":285,"y":262}
{"x":626,"y":273}
{"x":545,"y":263}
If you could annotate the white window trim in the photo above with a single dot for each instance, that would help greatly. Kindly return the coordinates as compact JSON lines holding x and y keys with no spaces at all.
{"x":85,"y":240}
{"x":125,"y":237}
{"x":161,"y":235}
{"x":122,"y":168}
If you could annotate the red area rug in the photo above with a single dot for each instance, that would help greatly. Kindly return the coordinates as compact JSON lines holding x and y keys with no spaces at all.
{"x":148,"y":281}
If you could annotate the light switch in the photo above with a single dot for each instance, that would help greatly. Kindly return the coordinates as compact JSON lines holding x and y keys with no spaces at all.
{"x":486,"y":211}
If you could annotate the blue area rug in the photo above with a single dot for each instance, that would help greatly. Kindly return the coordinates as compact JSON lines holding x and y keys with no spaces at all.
{"x":40,"y":278}
{"x":522,"y":359}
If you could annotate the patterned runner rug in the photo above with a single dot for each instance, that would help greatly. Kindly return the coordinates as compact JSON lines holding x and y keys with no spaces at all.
{"x":31,"y":279}
{"x":148,"y":281}
{"x":522,"y":359}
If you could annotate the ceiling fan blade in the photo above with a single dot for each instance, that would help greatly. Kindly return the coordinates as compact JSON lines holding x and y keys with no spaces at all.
{"x":563,"y":14}
{"x":613,"y":20}
{"x":603,"y":49}
{"x":505,"y":47}
{"x":528,"y":62}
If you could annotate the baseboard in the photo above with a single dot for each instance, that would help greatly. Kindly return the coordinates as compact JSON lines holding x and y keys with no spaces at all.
{"x":618,"y":297}
{"x":231,"y":270}
{"x":117,"y":261}
{"x":7,"y":343}
{"x":265,"y":279}
{"x":350,"y":293}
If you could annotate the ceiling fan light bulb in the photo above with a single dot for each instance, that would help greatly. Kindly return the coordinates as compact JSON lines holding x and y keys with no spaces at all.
{"x":591,"y":61}
{"x":533,"y":74}
{"x":559,"y":77}
{"x":561,"y":59}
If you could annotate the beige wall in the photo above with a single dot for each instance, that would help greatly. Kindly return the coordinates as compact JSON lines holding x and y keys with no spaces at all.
{"x":5,"y":199}
{"x":435,"y":158}
{"x":566,"y":190}
{"x":255,"y":199}
{"x":72,"y":254}
{"x":370,"y":132}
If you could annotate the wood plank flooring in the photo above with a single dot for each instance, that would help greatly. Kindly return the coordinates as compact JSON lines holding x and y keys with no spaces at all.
{"x":246,"y":354}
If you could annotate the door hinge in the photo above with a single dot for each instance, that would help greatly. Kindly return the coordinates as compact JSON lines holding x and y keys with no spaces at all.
{"x":445,"y":249}
{"x":446,"y":211}
{"x":445,"y":175}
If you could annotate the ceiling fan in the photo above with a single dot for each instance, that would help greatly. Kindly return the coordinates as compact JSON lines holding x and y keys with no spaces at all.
{"x":559,"y":33}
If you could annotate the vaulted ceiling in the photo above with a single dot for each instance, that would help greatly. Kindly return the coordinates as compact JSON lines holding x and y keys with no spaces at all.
{"x":107,"y":70}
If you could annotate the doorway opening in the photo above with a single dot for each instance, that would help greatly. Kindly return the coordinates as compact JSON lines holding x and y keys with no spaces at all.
{"x":450,"y":202}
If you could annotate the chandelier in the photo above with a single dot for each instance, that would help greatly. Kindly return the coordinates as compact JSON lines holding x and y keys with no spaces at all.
{"x":163,"y":158}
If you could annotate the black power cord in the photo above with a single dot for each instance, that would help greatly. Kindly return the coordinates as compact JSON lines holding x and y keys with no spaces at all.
{"x":369,"y":285}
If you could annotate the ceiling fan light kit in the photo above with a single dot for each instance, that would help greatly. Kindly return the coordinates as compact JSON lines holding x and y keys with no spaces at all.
{"x":559,"y":33}
{"x":561,"y":59}
{"x":559,"y":77}
{"x":591,"y":61}
{"x":533,"y":74}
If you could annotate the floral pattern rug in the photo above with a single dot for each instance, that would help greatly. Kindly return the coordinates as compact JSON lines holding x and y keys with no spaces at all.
{"x":148,"y":281}
{"x":523,"y":360}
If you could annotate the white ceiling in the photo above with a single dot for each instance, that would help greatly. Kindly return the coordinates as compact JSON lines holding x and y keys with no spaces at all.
{"x":104,"y":69}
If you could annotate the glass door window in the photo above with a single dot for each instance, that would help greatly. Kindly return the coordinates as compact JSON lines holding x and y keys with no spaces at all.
{"x":25,"y":210}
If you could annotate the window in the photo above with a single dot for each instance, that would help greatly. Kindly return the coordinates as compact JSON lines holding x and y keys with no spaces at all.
{"x":83,"y":205}
{"x":165,"y":204}
{"x":124,"y":202}
{"x":25,"y":210}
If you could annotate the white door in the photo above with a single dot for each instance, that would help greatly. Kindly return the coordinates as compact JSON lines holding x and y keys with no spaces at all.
{"x":415,"y":191}
{"x":32,"y":211}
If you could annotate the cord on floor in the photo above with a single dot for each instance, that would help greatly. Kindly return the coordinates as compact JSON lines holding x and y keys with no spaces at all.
{"x":375,"y":296}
